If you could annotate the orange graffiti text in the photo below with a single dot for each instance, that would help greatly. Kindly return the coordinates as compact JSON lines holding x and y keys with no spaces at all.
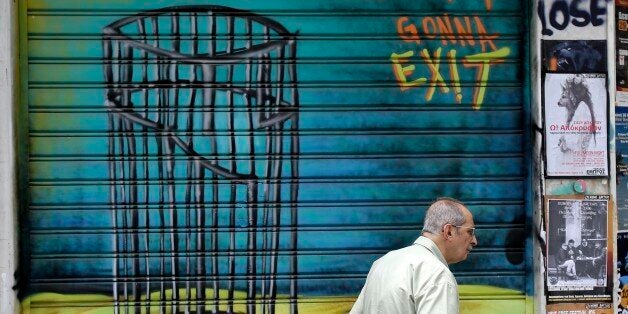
{"x":457,"y":30}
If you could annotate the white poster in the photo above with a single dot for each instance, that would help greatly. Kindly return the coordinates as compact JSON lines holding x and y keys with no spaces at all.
{"x":575,"y":107}
{"x":621,"y":98}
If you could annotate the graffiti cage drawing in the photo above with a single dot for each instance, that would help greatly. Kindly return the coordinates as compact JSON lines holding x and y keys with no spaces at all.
{"x":203,"y":148}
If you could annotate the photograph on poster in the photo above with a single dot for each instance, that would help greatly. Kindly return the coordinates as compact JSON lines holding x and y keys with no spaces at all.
{"x":574,"y":55}
{"x":575,"y":108}
{"x":576,"y":244}
{"x":622,"y":271}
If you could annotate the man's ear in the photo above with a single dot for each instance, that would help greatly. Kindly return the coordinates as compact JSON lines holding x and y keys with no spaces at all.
{"x":447,"y":232}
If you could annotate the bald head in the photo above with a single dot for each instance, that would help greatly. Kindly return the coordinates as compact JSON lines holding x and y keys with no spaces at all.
{"x":449,"y":224}
{"x":443,"y":211}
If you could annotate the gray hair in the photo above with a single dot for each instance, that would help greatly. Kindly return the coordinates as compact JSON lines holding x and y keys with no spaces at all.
{"x":443,"y":211}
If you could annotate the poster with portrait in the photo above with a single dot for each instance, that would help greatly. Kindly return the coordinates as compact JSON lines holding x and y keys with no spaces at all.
{"x":578,"y":266}
{"x":575,"y":109}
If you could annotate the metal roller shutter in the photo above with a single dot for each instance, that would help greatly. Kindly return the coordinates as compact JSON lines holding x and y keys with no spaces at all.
{"x":186,"y":156}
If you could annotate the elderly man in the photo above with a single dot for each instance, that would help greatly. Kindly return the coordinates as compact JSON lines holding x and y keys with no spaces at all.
{"x":417,"y":279}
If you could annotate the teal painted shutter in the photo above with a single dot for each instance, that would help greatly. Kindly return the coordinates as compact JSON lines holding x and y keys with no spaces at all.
{"x":270,"y":149}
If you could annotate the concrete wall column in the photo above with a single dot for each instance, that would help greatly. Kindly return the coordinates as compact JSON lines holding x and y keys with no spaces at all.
{"x":9,"y":95}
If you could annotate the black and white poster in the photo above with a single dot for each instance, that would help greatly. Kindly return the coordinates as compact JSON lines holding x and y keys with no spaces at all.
{"x":575,"y":108}
{"x":577,"y":248}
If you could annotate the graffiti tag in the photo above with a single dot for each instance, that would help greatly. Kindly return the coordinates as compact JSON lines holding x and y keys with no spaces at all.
{"x":575,"y":12}
{"x":455,"y":31}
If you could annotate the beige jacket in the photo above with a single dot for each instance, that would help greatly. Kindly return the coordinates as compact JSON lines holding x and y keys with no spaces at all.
{"x":414,"y":279}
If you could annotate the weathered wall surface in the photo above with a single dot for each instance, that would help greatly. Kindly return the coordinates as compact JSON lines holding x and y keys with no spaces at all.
{"x":579,"y":28}
{"x":200,"y":156}
{"x":8,"y":210}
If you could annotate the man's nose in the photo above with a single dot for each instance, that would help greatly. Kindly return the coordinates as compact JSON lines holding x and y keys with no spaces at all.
{"x":474,"y":241}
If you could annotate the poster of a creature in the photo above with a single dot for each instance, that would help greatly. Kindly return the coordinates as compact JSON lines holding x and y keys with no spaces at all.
{"x":574,"y":55}
{"x":576,"y":124}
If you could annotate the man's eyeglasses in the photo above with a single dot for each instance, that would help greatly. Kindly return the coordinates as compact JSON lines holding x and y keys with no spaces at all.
{"x":470,"y":228}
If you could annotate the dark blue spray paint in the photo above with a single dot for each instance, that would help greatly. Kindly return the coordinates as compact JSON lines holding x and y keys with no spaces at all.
{"x":563,"y":12}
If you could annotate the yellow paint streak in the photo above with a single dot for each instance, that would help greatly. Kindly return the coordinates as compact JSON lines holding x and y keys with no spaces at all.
{"x":483,"y":61}
{"x":437,"y":78}
{"x":455,"y":77}
{"x":474,"y":299}
{"x":402,"y":72}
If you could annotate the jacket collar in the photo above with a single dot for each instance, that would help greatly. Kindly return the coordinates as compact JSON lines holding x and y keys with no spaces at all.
{"x":430,"y":245}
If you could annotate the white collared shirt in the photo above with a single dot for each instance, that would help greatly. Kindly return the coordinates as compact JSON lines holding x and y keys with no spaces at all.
{"x":414,"y":279}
